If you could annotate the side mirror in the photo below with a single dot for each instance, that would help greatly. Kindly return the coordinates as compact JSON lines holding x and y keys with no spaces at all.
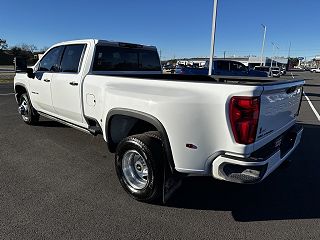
{"x":30,"y":73}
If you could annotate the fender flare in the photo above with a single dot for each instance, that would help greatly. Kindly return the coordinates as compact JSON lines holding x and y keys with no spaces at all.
{"x":147,"y":118}
{"x":16,"y":94}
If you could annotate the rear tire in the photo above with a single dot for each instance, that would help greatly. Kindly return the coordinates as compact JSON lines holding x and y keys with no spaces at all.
{"x":139,"y":162}
{"x":28,"y":113}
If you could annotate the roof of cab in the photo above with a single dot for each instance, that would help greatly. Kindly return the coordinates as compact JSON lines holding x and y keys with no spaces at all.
{"x":102,"y":42}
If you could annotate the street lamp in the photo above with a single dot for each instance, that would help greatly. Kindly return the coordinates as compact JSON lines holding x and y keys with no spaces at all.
{"x":263,"y":42}
{"x":213,"y":34}
{"x":273,"y":46}
{"x":277,"y":55}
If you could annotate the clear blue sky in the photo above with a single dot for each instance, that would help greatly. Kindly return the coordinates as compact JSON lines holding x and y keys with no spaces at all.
{"x":179,"y":28}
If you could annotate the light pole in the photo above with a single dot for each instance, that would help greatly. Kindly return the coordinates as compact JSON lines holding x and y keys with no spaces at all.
{"x":263,"y":42}
{"x":277,"y":55}
{"x":213,"y":34}
{"x":273,"y":46}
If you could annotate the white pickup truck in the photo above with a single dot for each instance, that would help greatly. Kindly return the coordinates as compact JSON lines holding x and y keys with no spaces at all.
{"x":162,"y":126}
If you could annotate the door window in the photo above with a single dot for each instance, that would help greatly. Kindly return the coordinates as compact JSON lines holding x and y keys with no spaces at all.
{"x":237,"y":67}
{"x":71,"y":58}
{"x":223,"y":65}
{"x":50,"y":62}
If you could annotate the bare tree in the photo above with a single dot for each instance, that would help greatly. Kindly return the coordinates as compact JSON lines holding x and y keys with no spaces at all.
{"x":44,"y":49}
{"x":28,"y":47}
{"x":3,"y":44}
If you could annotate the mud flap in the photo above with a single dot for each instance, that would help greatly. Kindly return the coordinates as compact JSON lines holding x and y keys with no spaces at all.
{"x":171,"y":182}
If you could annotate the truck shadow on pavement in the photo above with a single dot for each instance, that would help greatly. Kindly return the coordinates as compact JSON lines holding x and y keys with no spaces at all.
{"x":291,"y":192}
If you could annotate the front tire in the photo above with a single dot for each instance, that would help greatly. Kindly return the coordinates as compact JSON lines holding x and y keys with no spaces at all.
{"x":28,"y":113}
{"x":139,"y":162}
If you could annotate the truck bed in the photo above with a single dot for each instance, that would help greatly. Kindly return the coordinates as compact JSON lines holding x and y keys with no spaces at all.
{"x":236,"y":80}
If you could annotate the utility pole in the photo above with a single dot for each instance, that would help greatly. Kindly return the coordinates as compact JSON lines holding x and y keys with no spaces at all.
{"x":224,"y":54}
{"x":305,"y":62}
{"x":273,"y":46}
{"x":277,"y":56}
{"x":213,"y":34}
{"x":263,"y":43}
{"x":289,"y":53}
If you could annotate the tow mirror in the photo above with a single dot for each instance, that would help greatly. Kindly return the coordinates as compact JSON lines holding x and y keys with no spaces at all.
{"x":30,"y":73}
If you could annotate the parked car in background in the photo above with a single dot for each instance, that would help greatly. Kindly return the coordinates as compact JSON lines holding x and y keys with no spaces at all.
{"x":283,"y":71}
{"x":275,"y":72}
{"x":265,"y":69}
{"x":222,"y":68}
{"x":315,"y":70}
{"x":187,"y":70}
{"x":167,"y":69}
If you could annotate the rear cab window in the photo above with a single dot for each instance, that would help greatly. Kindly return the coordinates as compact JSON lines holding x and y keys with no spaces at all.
{"x":70,"y":62}
{"x":118,"y":58}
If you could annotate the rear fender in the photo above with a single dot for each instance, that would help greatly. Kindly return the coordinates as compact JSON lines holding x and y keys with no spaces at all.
{"x":145,"y":117}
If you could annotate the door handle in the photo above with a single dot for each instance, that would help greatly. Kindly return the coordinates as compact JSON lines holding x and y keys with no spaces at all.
{"x":73,"y":83}
{"x":46,"y":80}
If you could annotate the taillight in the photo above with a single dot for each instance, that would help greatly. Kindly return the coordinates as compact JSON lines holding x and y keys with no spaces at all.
{"x":244,"y":117}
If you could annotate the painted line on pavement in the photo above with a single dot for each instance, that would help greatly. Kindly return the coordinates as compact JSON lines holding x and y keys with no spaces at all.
{"x":6,"y":94}
{"x":312,"y":107}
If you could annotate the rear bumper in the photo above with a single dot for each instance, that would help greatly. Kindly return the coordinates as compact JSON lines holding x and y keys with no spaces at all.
{"x":261,"y":163}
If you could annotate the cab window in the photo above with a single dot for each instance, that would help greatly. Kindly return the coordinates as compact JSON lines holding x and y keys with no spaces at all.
{"x":71,"y":58}
{"x":50,"y":62}
{"x":238,"y":67}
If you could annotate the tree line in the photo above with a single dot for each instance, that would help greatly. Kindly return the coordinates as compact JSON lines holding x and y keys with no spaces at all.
{"x":26,"y":51}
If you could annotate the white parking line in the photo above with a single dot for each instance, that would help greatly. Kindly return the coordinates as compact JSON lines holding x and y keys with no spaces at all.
{"x":6,"y":94}
{"x":312,"y":107}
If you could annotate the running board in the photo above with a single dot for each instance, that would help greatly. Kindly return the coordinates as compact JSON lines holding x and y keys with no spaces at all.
{"x":95,"y":130}
{"x":65,"y":123}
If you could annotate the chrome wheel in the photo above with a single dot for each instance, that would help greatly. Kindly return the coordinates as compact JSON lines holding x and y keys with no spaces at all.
{"x":24,"y":109}
{"x":135,"y":169}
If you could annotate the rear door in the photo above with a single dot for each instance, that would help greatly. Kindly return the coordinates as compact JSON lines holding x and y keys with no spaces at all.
{"x":66,"y":85}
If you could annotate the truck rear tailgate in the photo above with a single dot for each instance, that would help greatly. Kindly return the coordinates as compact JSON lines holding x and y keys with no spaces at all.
{"x":279,"y":107}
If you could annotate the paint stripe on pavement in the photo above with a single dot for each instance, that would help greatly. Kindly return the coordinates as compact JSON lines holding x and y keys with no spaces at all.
{"x":312,"y":107}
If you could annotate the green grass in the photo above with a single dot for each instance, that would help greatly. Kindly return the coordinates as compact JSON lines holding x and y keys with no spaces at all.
{"x":6,"y":81}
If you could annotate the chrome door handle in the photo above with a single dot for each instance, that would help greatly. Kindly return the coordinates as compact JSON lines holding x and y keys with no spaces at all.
{"x":46,"y":80}
{"x":73,"y":83}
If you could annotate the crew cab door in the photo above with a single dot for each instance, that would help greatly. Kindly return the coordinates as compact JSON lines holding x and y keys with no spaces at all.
{"x":66,"y":85}
{"x":40,"y":86}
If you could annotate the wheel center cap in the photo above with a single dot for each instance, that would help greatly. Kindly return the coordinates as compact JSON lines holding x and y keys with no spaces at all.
{"x":138,"y":167}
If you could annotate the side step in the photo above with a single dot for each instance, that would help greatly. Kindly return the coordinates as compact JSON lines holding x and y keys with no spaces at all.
{"x":95,"y":130}
{"x":64,"y":122}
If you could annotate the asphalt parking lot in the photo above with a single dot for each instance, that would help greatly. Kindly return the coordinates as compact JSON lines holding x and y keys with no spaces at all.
{"x":59,"y":183}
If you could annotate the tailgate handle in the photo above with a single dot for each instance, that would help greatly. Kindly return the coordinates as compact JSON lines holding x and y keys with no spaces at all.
{"x":291,"y":90}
